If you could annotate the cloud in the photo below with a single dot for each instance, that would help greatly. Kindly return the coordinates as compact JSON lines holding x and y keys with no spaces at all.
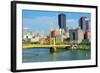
{"x":41,"y":23}
{"x":72,"y":23}
{"x":26,"y":28}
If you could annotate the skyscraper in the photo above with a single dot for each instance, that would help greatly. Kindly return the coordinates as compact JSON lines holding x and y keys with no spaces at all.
{"x":76,"y":35}
{"x":87,"y":35}
{"x":84,"y":23}
{"x":62,"y":21}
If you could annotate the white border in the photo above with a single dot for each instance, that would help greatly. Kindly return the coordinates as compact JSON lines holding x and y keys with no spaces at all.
{"x":35,"y":65}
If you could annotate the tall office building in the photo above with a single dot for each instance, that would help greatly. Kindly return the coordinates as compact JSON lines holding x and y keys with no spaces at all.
{"x":84,"y":23}
{"x":87,"y":35}
{"x":76,"y":35}
{"x":62,"y":21}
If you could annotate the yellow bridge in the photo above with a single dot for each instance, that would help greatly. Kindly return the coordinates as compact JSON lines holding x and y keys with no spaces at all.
{"x":51,"y":46}
{"x":45,"y":46}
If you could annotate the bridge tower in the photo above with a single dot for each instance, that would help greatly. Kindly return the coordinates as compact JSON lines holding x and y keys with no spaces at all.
{"x":53,"y":48}
{"x":52,"y":40}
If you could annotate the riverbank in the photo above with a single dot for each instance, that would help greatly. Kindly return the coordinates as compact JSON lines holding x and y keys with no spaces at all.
{"x":44,"y":46}
{"x":56,"y":46}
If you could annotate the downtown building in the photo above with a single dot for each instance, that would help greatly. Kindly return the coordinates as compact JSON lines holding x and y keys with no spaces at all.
{"x":82,"y":32}
{"x":56,"y":34}
{"x":76,"y":35}
{"x":84,"y":24}
{"x":62,"y":26}
{"x":62,"y":22}
{"x":27,"y":35}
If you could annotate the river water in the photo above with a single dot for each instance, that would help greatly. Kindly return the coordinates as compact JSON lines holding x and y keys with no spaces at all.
{"x":44,"y":55}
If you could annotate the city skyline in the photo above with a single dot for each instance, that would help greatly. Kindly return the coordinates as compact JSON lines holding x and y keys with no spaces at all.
{"x":38,"y":21}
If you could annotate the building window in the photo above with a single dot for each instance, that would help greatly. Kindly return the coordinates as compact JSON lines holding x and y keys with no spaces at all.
{"x":27,"y":37}
{"x":73,"y":35}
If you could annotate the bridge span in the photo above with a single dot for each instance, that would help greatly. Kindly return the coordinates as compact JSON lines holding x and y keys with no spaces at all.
{"x":52,"y":47}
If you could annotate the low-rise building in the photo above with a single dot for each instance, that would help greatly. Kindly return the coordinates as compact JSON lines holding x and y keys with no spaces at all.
{"x":27,"y":35}
{"x":58,"y":34}
{"x":35,"y":39}
{"x":55,"y":33}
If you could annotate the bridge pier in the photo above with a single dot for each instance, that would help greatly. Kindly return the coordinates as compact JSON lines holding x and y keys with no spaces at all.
{"x":53,"y":49}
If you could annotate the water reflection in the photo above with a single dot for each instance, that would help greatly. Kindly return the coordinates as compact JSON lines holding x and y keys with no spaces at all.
{"x":44,"y":55}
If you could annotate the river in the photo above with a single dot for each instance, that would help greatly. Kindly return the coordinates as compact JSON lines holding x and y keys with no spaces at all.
{"x":44,"y":55}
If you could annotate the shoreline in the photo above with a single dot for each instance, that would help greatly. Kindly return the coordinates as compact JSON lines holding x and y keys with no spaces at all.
{"x":69,"y":48}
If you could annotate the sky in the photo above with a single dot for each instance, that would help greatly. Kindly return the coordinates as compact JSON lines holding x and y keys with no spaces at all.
{"x":43,"y":21}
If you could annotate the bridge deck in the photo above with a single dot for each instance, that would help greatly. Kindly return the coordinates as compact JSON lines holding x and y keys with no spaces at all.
{"x":44,"y":46}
